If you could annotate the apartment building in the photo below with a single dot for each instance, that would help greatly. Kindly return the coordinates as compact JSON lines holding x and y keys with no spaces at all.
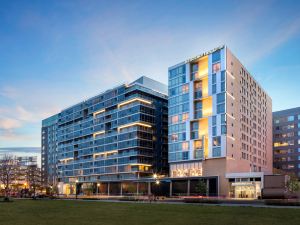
{"x":107,"y":143}
{"x":220,"y":127}
{"x":286,"y":141}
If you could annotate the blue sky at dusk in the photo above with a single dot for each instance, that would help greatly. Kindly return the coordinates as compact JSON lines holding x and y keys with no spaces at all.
{"x":54,"y":54}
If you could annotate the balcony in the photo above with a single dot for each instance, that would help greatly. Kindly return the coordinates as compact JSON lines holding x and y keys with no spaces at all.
{"x":198,"y":94}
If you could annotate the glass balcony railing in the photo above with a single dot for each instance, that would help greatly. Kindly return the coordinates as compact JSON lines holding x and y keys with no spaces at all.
{"x":198,"y":94}
{"x":198,"y":114}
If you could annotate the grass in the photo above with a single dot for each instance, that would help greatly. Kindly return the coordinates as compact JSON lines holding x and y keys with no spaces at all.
{"x":29,"y":212}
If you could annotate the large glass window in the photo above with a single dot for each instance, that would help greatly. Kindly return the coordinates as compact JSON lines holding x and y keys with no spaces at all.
{"x":214,"y":120}
{"x":217,"y":141}
{"x":221,"y":97}
{"x":223,"y":75}
{"x":290,"y":118}
{"x":221,"y":108}
{"x":214,"y":89}
{"x":216,"y":56}
{"x":216,"y":152}
{"x":216,"y":67}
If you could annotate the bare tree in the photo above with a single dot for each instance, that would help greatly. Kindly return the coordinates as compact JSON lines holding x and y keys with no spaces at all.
{"x":9,"y":172}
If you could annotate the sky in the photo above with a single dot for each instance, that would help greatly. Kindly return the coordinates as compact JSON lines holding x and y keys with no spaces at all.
{"x":56,"y":53}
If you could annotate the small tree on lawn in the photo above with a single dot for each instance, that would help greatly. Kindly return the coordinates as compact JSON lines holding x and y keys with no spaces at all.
{"x":9,"y":172}
{"x":293,"y":184}
{"x":201,"y":188}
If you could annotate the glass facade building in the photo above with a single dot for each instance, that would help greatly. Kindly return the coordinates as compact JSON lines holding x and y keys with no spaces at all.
{"x":286,"y":140}
{"x":49,"y":151}
{"x":118,"y":135}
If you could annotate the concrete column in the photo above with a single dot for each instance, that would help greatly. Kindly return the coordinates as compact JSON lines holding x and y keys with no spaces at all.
{"x":171,"y":188}
{"x":188,"y":187}
{"x":207,"y":187}
{"x":121,"y":189}
{"x":108,"y":186}
{"x":137,"y":188}
{"x":149,"y":188}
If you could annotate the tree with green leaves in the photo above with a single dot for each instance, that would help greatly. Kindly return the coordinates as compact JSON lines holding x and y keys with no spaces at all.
{"x":201,"y":188}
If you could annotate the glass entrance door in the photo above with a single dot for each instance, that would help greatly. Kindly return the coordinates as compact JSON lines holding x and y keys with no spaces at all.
{"x":245,"y":191}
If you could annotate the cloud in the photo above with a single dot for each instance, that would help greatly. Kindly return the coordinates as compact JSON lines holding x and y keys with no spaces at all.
{"x":9,"y":123}
{"x":9,"y":92}
{"x":276,"y":39}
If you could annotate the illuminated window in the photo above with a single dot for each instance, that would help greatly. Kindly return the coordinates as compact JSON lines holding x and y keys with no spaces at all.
{"x":174,"y":119}
{"x":185,"y":117}
{"x":185,"y":146}
{"x":290,"y":118}
{"x":198,"y":144}
{"x":217,"y":141}
{"x":174,"y":137}
{"x":216,"y":67}
{"x":185,"y":88}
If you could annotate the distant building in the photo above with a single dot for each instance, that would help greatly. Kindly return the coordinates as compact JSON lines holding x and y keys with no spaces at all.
{"x":27,"y":173}
{"x":286,"y":140}
{"x":220,"y":126}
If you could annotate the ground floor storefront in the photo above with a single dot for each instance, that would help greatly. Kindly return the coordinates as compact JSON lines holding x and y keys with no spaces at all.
{"x":235,"y":185}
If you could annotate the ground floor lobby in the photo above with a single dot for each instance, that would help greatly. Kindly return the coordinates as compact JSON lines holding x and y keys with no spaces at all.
{"x":233,"y":185}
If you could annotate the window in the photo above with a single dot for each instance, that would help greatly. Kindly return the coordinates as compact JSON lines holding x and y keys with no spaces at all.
{"x":221,"y":108}
{"x":185,"y":117}
{"x":174,"y":137}
{"x":185,"y":155}
{"x":217,"y":141}
{"x":276,"y":121}
{"x":223,"y":118}
{"x":214,"y":78}
{"x":216,"y":152}
{"x":216,"y":56}
{"x":214,"y":120}
{"x":290,"y":118}
{"x":195,"y":125}
{"x":214,"y":131}
{"x":214,"y":89}
{"x":174,"y":119}
{"x":298,"y":117}
{"x":198,"y":105}
{"x":223,"y":129}
{"x":221,"y":97}
{"x":223,"y":75}
{"x":223,"y":87}
{"x":216,"y":67}
{"x":198,"y":144}
{"x":195,"y":67}
{"x":185,"y":88}
{"x":185,"y":146}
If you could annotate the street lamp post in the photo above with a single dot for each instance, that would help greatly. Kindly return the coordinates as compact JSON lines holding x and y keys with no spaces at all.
{"x":98,"y":185}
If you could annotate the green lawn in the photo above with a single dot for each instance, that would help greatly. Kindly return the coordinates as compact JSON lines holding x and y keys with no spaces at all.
{"x":29,"y":212}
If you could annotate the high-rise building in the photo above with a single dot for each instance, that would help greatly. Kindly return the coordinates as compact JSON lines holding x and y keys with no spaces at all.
{"x":115,"y":137}
{"x":286,"y":140}
{"x":49,"y":151}
{"x":220,"y":126}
